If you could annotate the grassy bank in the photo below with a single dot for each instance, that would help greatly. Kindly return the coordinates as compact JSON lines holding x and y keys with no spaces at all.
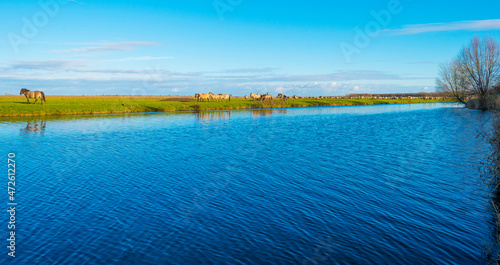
{"x":68,"y":105}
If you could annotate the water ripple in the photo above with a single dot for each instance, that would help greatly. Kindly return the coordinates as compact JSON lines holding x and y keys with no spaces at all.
{"x":348,"y":185}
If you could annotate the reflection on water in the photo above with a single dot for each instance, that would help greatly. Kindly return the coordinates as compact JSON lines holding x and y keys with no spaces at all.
{"x":36,"y":126}
{"x":226,"y":114}
{"x":213,"y":115}
{"x":268,"y":112}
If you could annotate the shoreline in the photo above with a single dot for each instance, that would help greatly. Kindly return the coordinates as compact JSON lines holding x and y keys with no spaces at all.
{"x":15,"y":106}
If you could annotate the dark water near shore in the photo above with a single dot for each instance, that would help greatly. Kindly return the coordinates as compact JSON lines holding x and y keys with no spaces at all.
{"x":389,"y":184}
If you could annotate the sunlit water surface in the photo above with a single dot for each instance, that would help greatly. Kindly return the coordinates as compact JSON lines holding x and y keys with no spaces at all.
{"x":392,"y":184}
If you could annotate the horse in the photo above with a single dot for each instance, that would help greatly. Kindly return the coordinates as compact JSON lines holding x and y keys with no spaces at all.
{"x":282,"y":96}
{"x":255,"y":96}
{"x":225,"y":97}
{"x":203,"y":97}
{"x":215,"y":97}
{"x":266,"y":97}
{"x":33,"y":94}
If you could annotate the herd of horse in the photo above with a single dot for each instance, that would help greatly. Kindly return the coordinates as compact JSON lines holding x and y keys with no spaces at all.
{"x":267,"y":96}
{"x":221,"y":97}
{"x":211,"y":97}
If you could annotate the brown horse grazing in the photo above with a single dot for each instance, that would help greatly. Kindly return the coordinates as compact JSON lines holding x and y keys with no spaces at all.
{"x":33,"y":94}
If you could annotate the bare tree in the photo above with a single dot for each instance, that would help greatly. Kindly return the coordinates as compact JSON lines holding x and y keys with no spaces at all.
{"x":454,"y":78}
{"x":481,"y":60}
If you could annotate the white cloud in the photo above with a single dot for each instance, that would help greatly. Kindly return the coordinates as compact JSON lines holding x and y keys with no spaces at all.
{"x":46,"y":64}
{"x":280,"y":90}
{"x":96,"y":48}
{"x":144,"y":58}
{"x":491,"y":24}
{"x":49,"y":74}
{"x":250,"y":70}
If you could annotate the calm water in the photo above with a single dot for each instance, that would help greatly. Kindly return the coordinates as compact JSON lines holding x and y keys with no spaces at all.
{"x":394,"y":184}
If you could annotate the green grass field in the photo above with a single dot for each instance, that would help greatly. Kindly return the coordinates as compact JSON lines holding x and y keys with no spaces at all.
{"x":68,"y":105}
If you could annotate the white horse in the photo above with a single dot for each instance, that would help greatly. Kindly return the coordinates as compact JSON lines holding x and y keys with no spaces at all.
{"x":203,"y":97}
{"x":255,"y":96}
{"x":215,"y":97}
{"x":225,"y":97}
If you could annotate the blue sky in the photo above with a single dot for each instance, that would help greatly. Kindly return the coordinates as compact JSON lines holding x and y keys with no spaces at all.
{"x":310,"y":48}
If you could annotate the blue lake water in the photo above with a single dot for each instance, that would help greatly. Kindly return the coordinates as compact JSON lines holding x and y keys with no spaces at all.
{"x":388,"y":184}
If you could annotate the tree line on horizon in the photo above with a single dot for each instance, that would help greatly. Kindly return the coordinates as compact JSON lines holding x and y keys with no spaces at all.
{"x":474,"y":73}
{"x":403,"y":94}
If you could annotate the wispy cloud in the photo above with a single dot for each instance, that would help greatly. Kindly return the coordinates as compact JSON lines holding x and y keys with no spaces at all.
{"x":491,"y":24}
{"x":338,"y":76}
{"x":93,"y":48}
{"x":77,"y":69}
{"x":144,"y":58}
{"x":61,"y":65}
{"x":97,"y":85}
{"x":47,"y":64}
{"x":250,"y":70}
{"x":71,"y":69}
{"x":53,"y":74}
